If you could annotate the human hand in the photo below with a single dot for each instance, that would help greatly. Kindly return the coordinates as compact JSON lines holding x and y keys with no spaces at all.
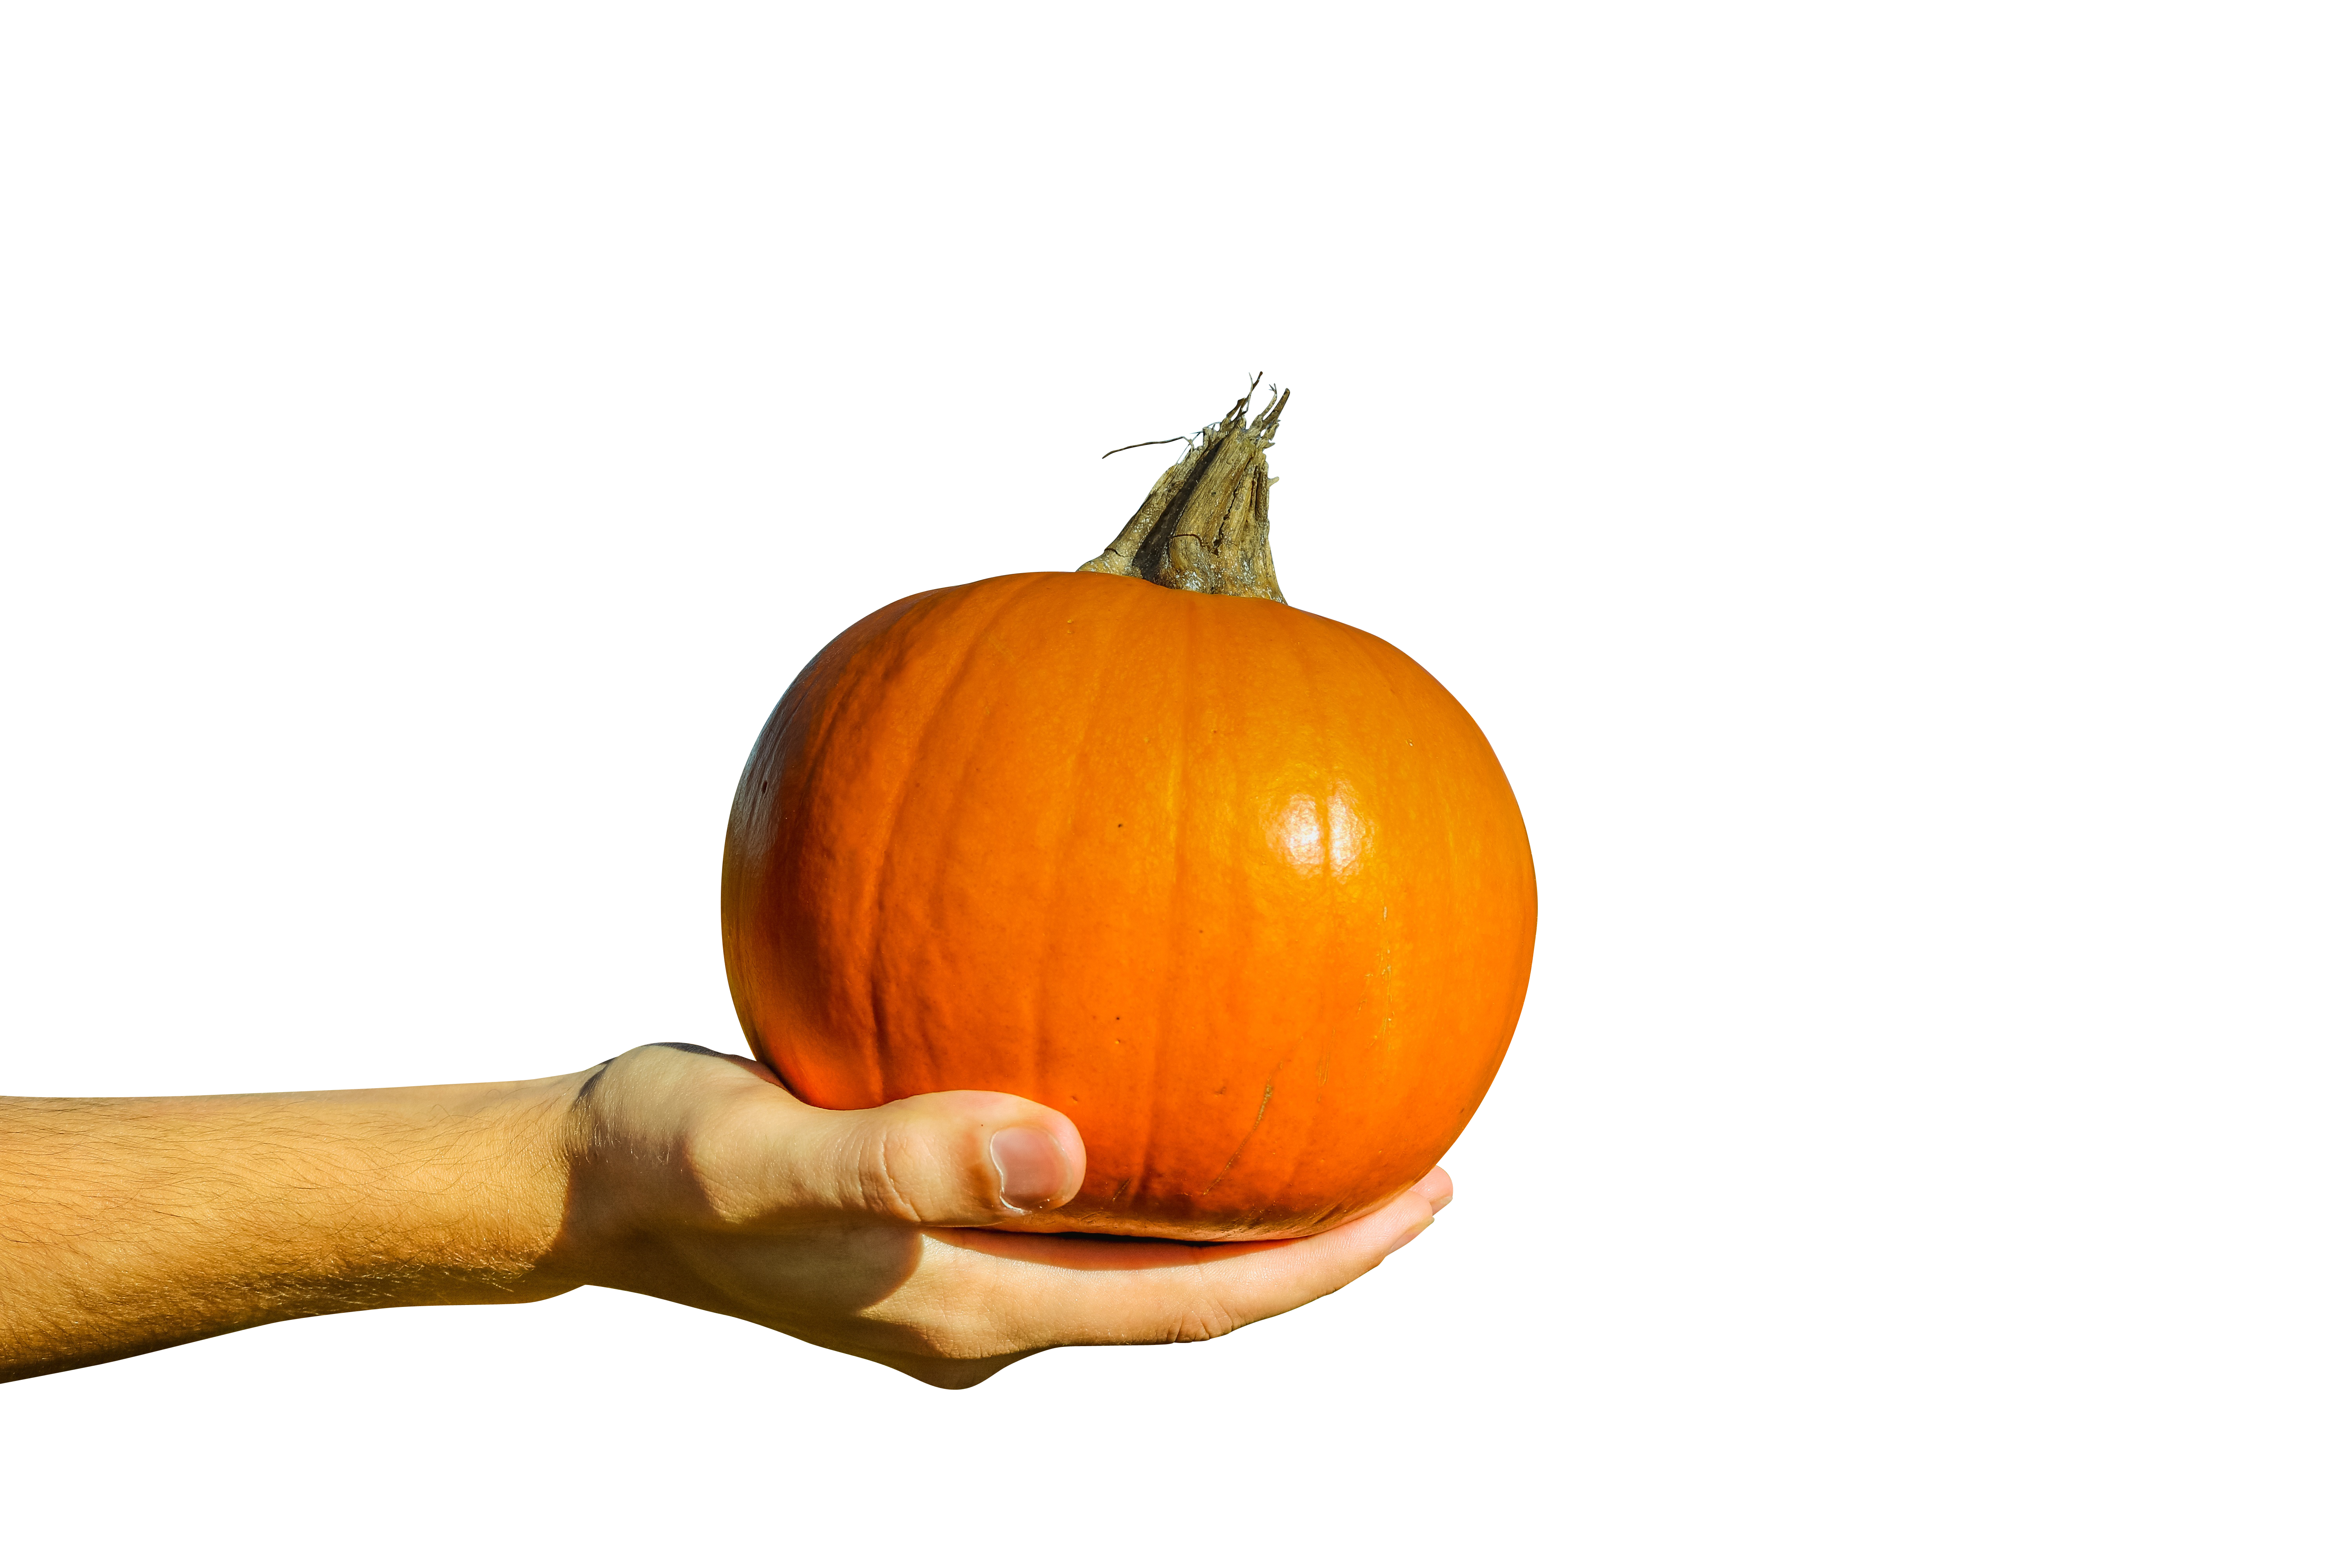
{"x":697,"y":1178}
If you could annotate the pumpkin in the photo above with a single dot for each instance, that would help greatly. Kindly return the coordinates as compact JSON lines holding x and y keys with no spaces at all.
{"x":1242,"y":890}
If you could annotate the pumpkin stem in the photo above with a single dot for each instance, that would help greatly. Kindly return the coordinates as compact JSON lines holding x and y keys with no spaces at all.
{"x":1204,"y":527}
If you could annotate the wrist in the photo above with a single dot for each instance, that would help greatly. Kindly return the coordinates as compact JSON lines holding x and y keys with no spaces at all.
{"x":636,"y":1137}
{"x":469,"y":1186}
{"x":520,"y":1142}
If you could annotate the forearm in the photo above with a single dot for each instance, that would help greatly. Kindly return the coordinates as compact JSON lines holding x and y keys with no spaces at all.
{"x":129,"y":1225}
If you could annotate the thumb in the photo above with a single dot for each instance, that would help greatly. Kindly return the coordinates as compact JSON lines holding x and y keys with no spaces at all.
{"x":959,"y":1158}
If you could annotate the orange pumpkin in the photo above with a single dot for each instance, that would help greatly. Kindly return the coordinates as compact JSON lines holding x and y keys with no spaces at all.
{"x":1242,"y":890}
{"x":1236,"y":887}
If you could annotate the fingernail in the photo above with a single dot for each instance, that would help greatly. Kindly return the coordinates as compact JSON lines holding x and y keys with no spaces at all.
{"x":1028,"y":1167}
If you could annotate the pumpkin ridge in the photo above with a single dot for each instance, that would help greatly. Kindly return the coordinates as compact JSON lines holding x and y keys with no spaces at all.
{"x":1036,"y":595}
{"x":1316,"y":676}
{"x":1294,"y":644}
{"x":1095,"y":707}
{"x":1169,"y":974}
{"x":768,"y":760}
{"x":1243,"y":894}
{"x":869,"y":918}
{"x":1024,"y":593}
{"x":822,"y":708}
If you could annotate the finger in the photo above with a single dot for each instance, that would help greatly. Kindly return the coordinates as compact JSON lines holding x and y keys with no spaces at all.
{"x":965,"y":1158}
{"x":1048,"y":1291}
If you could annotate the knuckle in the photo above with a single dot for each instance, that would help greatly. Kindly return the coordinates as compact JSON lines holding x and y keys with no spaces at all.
{"x":881,"y":1174}
{"x":1207,"y":1316}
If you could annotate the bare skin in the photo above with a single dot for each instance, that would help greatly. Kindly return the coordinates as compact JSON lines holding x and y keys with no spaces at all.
{"x":127,"y":1225}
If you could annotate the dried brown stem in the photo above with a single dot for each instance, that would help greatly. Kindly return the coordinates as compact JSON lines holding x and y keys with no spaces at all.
{"x":1203,"y":528}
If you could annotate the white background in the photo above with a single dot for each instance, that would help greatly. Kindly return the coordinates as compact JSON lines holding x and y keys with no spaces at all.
{"x":1878,"y":474}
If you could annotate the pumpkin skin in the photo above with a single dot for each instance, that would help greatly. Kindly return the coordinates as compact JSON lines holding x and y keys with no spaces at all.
{"x":1240,"y":889}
